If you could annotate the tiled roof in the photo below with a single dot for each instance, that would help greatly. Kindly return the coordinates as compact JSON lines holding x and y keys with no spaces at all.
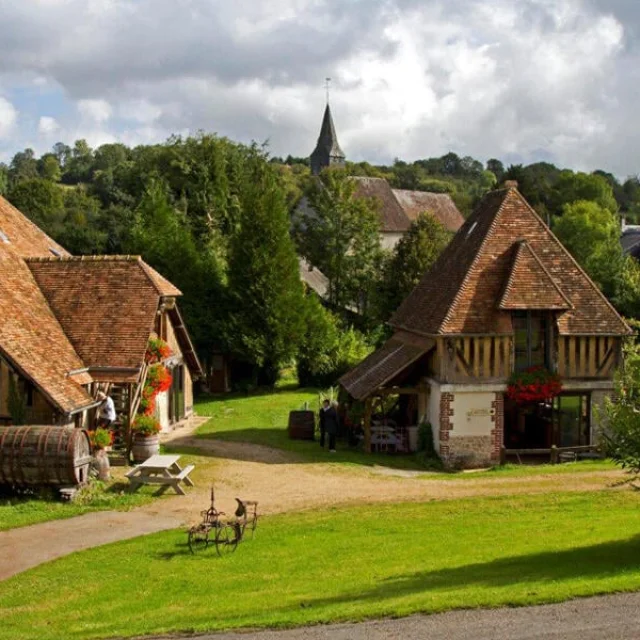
{"x":32,"y":339}
{"x":529,"y":285}
{"x":460,"y":294}
{"x":23,"y":237}
{"x":392,"y":216}
{"x":107,"y":306}
{"x":378,"y":368}
{"x":439,"y":205}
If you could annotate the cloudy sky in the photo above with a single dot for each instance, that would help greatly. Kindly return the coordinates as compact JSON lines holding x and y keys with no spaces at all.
{"x":521,"y":80}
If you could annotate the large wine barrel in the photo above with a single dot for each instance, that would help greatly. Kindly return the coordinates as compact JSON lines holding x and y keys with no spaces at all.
{"x":35,"y":455}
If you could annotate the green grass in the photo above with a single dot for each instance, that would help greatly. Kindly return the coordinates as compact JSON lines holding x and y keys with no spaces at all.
{"x":352,"y":564}
{"x":21,"y":511}
{"x":262,"y":418}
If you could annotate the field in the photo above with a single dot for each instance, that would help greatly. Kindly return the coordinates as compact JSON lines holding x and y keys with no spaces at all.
{"x":339,"y":565}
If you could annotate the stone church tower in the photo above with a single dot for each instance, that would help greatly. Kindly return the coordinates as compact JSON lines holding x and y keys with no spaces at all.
{"x":327,"y":152}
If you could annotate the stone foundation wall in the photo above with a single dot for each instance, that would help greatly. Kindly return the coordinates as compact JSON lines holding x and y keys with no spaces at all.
{"x":468,"y":452}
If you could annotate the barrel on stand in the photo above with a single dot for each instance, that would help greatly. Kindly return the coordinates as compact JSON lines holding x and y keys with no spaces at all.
{"x":38,"y":455}
{"x":302,"y":425}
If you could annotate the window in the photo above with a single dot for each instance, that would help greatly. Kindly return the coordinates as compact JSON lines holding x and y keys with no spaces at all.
{"x":530,"y":339}
{"x":572,"y":420}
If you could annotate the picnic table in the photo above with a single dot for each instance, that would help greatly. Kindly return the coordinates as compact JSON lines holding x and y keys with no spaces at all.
{"x":161,"y":470}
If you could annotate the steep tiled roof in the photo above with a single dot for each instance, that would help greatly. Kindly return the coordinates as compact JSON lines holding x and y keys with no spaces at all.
{"x":460,"y":294}
{"x":529,"y":285}
{"x":378,"y":368}
{"x":392,"y":216}
{"x":23,"y":237}
{"x":32,"y":339}
{"x":106,"y":305}
{"x":439,"y":205}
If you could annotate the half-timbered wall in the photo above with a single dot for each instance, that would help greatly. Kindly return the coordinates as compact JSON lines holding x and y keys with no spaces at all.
{"x":587,"y":356}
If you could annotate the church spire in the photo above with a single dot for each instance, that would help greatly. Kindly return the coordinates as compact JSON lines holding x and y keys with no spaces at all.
{"x":327,"y":152}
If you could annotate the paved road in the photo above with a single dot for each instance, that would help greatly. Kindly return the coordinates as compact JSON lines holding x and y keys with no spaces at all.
{"x":614,"y":617}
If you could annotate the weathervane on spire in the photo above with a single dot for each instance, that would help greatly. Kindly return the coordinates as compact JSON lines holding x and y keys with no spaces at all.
{"x":327,"y":86}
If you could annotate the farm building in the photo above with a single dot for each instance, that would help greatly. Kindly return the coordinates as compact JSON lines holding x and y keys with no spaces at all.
{"x":505,"y":297}
{"x":75,"y":325}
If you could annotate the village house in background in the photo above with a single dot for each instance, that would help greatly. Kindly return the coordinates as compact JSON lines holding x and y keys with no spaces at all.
{"x":503,"y":297}
{"x":398,"y":208}
{"x":72,"y":326}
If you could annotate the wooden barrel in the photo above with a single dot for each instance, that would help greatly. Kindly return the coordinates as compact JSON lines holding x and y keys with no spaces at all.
{"x":35,"y":455}
{"x":302,"y":425}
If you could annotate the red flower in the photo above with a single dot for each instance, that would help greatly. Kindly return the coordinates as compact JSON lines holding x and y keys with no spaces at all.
{"x":536,"y":384}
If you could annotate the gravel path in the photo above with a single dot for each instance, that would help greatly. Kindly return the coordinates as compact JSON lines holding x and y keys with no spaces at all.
{"x":614,"y":617}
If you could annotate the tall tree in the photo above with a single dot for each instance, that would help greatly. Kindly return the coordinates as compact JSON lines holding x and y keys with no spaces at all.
{"x":267,"y":323}
{"x":42,"y":201}
{"x":412,"y":258}
{"x":340,"y":235}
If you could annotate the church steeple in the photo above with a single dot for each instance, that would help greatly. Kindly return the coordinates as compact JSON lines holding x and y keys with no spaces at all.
{"x":327,"y":152}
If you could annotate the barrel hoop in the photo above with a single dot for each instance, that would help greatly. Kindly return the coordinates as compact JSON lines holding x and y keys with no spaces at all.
{"x":4,"y":477}
{"x":58,"y":456}
{"x":19,"y":464}
{"x":40,"y":456}
{"x":45,"y":457}
{"x":70,"y":458}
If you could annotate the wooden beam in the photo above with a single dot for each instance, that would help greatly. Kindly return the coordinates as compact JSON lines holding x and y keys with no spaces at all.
{"x":572,"y":356}
{"x":367,"y":424}
{"x":583,"y":356}
{"x":467,"y":353}
{"x":562,"y":356}
{"x":486,"y":357}
{"x":593,"y":343}
{"x":476,"y":357}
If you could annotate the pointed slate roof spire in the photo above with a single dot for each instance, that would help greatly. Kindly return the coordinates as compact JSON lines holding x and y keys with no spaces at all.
{"x":327,"y":152}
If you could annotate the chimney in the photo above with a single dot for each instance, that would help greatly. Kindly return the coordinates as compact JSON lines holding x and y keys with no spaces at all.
{"x":510,"y":184}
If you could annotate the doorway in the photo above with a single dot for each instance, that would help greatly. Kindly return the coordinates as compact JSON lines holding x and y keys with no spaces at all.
{"x":176,"y":395}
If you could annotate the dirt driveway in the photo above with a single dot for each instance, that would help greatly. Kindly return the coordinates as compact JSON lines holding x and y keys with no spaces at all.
{"x":282,"y":482}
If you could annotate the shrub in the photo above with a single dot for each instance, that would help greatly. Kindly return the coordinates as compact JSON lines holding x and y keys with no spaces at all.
{"x":101,"y":438}
{"x":146,"y":425}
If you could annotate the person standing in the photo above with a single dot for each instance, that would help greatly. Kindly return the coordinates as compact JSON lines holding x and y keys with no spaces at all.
{"x":331,"y":424}
{"x":323,"y":410}
{"x":107,"y":411}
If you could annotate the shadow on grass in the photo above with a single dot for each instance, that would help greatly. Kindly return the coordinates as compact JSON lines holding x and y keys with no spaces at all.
{"x":594,"y":562}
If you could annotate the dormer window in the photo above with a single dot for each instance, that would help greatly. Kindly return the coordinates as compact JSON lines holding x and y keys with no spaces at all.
{"x":55,"y":252}
{"x":4,"y":238}
{"x":531,"y":344}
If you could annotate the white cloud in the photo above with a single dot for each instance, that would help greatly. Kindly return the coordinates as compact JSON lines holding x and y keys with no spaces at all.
{"x":8,"y":117}
{"x":98,"y":111}
{"x":48,"y":125}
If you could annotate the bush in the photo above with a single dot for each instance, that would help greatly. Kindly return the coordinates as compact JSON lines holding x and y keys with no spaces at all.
{"x":328,"y":350}
{"x":426,"y":449}
{"x":146,"y":425}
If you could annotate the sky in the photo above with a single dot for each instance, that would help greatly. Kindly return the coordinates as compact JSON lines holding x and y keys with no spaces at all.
{"x":518,"y":80}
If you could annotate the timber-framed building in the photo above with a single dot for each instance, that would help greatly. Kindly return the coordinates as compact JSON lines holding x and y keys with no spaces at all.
{"x":504,"y":296}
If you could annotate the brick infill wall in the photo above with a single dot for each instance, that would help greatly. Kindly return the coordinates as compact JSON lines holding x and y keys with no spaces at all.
{"x":446,"y":413}
{"x":498,"y":430}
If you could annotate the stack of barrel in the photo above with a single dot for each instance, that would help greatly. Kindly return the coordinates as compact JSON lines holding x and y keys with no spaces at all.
{"x":44,"y":455}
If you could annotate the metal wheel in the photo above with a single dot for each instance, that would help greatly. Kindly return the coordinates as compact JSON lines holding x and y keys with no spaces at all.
{"x":226,"y":539}
{"x":198,"y":538}
{"x":252,"y":524}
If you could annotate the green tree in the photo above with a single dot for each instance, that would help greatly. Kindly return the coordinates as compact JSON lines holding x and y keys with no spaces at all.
{"x":412,"y":258}
{"x":82,"y":232}
{"x":42,"y":201}
{"x":79,"y":164}
{"x":591,"y":234}
{"x":340,"y":235}
{"x":621,"y":432}
{"x":49,"y":167}
{"x":267,"y":322}
{"x":24,"y":166}
{"x":4,"y":178}
{"x":573,"y":187}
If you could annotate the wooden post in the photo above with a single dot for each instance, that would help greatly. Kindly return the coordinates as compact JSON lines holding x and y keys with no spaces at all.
{"x":554,"y":454}
{"x":503,"y":455}
{"x":486,"y":358}
{"x":562,"y":358}
{"x":368,"y":405}
{"x":476,"y":357}
{"x":592,"y":356}
{"x":583,"y":356}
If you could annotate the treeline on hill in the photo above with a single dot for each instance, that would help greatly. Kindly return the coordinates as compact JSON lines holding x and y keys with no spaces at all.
{"x":220,"y":220}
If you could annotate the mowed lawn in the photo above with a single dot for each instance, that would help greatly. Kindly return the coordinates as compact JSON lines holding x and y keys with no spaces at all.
{"x":339,"y":565}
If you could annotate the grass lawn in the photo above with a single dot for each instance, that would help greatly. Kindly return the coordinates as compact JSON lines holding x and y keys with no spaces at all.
{"x":338,"y":565}
{"x":20,"y":511}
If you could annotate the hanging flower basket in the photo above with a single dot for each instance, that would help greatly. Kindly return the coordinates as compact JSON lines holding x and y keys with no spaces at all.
{"x":536,"y":384}
{"x":157,"y":351}
{"x":158,"y":378}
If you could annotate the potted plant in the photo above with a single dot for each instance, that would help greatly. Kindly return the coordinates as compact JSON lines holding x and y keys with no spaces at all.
{"x":535,"y":384}
{"x":146,"y":439}
{"x":157,"y":351}
{"x":100,"y":440}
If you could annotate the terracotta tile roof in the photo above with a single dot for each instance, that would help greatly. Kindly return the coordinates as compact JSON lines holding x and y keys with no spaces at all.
{"x":439,"y":205}
{"x":392,"y":216}
{"x":460,"y":294}
{"x":380,"y":367}
{"x":529,"y":285}
{"x":23,"y":237}
{"x":106,"y":305}
{"x":33,"y":341}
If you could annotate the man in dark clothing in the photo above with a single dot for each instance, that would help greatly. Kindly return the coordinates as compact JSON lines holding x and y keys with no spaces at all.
{"x":323,"y":410}
{"x":331,"y":424}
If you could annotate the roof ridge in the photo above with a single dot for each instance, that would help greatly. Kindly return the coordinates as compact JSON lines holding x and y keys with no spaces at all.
{"x":487,"y":235}
{"x":568,"y":254}
{"x":96,"y":258}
